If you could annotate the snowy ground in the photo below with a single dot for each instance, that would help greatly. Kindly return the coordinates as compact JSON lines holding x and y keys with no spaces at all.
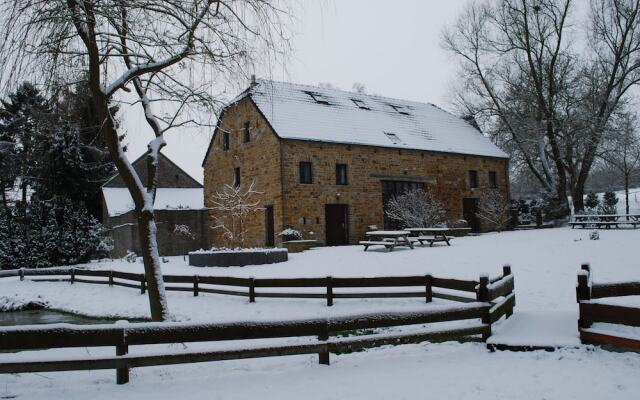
{"x":544,"y":262}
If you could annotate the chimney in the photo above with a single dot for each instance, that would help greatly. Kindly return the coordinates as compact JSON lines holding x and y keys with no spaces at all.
{"x":253,"y":80}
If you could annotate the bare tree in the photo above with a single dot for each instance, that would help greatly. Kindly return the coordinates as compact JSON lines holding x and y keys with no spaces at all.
{"x":415,"y":208}
{"x":544,"y":102}
{"x":493,"y":208}
{"x":234,"y":204}
{"x":165,"y":55}
{"x":622,"y":149}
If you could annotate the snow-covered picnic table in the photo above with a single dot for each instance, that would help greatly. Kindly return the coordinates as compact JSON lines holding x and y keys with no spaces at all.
{"x":605,"y":220}
{"x":388,"y":239}
{"x":431,"y":235}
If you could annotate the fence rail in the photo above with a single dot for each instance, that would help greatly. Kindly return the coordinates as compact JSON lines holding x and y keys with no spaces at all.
{"x":493,"y":300}
{"x":62,"y":336}
{"x":254,"y":288}
{"x":592,"y":312}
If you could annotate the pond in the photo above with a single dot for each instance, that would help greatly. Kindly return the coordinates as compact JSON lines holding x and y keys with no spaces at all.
{"x":44,"y":316}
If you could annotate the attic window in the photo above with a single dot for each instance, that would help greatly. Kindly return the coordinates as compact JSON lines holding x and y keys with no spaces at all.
{"x":399,"y":109}
{"x":394,"y":138}
{"x":318,"y":98}
{"x":360,"y":104}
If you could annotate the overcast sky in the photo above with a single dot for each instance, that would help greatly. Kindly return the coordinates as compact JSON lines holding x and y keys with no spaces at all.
{"x":392,"y":47}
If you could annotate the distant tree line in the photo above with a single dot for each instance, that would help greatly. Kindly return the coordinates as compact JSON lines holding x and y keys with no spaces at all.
{"x":52,"y":162}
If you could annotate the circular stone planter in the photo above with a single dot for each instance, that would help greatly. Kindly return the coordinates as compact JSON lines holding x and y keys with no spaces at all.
{"x":237,"y":258}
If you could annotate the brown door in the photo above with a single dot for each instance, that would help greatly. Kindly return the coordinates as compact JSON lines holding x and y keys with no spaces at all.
{"x":470,"y":213}
{"x":269,"y":225}
{"x":337,"y":224}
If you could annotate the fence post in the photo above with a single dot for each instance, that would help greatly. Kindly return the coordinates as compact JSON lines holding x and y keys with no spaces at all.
{"x":196,"y":287}
{"x":506,"y":271}
{"x":122,"y":374}
{"x":483,"y":290}
{"x":21,"y":274}
{"x":252,"y":290}
{"x":323,"y":356}
{"x":72,"y":279}
{"x":483,"y":296}
{"x":110,"y":278}
{"x":583,"y":291}
{"x":143,"y":285}
{"x":428,"y":288}
{"x":329,"y":291}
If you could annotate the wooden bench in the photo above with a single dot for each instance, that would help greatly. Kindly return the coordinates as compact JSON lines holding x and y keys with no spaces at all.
{"x":386,"y":243}
{"x":434,"y":239}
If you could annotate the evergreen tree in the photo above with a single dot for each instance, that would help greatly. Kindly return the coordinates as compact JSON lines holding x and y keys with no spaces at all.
{"x":22,"y":119}
{"x":592,"y":202}
{"x":609,"y":202}
{"x":52,"y":151}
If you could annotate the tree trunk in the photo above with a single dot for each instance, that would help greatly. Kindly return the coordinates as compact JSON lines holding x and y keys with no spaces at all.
{"x":577,"y":193}
{"x":152,"y":270}
{"x":626,"y":193}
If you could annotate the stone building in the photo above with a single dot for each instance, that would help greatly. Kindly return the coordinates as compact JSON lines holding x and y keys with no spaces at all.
{"x":326,"y":161}
{"x":179,"y":209}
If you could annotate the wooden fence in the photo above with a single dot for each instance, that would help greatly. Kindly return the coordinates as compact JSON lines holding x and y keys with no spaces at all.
{"x":494,"y":299}
{"x":592,"y":312}
{"x":253,"y":288}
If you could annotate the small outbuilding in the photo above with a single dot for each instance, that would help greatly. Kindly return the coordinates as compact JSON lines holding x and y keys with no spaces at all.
{"x":179,"y":209}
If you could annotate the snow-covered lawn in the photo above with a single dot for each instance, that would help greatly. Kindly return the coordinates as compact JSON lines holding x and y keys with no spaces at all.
{"x":544,"y":262}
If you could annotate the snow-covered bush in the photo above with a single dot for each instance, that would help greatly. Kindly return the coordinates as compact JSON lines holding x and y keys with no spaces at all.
{"x":609,"y":202}
{"x":131,"y":257}
{"x":183,"y":231}
{"x":415,"y":208}
{"x":494,"y":209}
{"x":234,"y":204}
{"x":290,"y":234}
{"x":47,"y":233}
{"x":591,"y":202}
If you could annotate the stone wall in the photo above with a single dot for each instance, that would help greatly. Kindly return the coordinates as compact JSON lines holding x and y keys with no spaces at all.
{"x":445,"y":175}
{"x":124,"y":231}
{"x":259,"y":162}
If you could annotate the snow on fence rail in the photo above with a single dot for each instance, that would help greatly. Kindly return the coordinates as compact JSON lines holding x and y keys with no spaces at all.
{"x":259,"y":287}
{"x":65,"y":335}
{"x":494,"y":299}
{"x":594,"y":312}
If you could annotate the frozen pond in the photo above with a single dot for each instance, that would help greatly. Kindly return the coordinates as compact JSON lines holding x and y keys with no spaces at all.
{"x":44,"y":316}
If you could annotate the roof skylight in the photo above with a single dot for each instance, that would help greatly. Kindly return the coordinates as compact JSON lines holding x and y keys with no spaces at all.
{"x":318,"y":98}
{"x":400,"y":109}
{"x":360,"y":104}
{"x":393,"y":137}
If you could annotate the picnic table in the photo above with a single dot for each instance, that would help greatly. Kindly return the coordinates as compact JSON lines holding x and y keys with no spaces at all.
{"x":605,"y":220}
{"x":431,"y":235}
{"x":388,"y":239}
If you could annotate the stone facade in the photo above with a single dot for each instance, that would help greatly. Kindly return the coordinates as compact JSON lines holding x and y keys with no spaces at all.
{"x":273,"y":164}
{"x":259,"y":162}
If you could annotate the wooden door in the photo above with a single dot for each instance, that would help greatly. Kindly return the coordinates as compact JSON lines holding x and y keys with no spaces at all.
{"x":269,"y":227}
{"x":337,"y":224}
{"x":470,"y":213}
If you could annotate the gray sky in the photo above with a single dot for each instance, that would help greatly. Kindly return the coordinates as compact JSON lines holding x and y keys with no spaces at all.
{"x":392,"y":47}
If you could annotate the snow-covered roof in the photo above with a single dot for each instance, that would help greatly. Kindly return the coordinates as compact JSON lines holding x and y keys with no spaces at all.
{"x":329,"y":115}
{"x":119,"y":201}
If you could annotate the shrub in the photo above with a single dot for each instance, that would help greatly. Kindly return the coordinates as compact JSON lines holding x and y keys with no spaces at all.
{"x":609,"y":202}
{"x":415,"y":208}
